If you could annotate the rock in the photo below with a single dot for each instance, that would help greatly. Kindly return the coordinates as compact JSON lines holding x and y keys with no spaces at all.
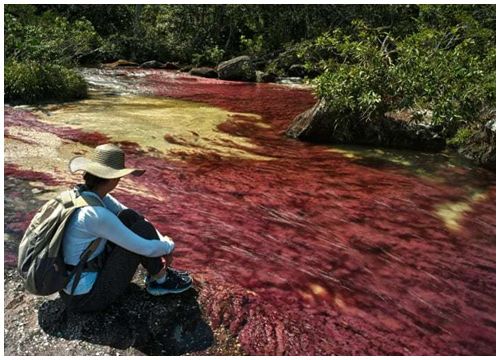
{"x":260,"y":64}
{"x":492,"y":125}
{"x":239,"y":68}
{"x":289,"y":80}
{"x":171,"y":66}
{"x":170,"y":325}
{"x":322,"y":124}
{"x":204,"y":72}
{"x":186,"y":68}
{"x":153,"y":64}
{"x":481,"y":146}
{"x":297,"y":70}
{"x":119,"y":63}
{"x":263,"y":77}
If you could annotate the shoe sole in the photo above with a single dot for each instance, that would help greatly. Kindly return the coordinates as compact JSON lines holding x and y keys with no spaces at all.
{"x":160,"y":292}
{"x":147,"y":278}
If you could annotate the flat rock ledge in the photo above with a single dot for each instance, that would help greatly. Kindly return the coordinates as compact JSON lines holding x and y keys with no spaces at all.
{"x":139,"y":324}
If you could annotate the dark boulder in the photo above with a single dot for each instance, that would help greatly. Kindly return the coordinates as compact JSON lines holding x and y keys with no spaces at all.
{"x":324,"y":125}
{"x":239,"y":68}
{"x":204,"y":72}
{"x":263,"y":77}
{"x":119,"y":63}
{"x":260,"y":64}
{"x":153,"y":64}
{"x":297,"y":70}
{"x":481,"y":146}
{"x":171,"y":66}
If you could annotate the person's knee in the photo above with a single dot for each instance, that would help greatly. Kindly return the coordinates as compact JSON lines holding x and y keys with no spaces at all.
{"x":136,"y":222}
{"x":145,"y":229}
{"x":129,"y":217}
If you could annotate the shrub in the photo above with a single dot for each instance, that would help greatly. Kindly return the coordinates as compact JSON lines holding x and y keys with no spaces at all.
{"x":48,"y":38}
{"x":356,"y":77}
{"x":209,"y":56}
{"x":30,"y":82}
{"x":446,"y":72}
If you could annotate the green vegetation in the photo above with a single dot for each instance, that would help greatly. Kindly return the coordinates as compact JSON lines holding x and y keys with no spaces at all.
{"x":443,"y":72}
{"x":31,"y":82}
{"x":40,"y":50}
{"x":434,"y":62}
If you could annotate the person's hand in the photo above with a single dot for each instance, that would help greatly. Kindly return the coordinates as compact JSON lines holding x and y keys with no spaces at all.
{"x":169,"y":241}
{"x":167,"y":260}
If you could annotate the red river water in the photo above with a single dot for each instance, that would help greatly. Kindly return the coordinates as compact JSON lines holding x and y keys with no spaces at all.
{"x":312,"y":251}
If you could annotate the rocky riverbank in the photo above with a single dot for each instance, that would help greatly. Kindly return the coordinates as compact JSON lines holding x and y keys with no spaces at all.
{"x":321,"y":124}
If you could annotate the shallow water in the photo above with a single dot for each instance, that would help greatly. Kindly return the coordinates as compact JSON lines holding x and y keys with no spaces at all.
{"x":323,"y":250}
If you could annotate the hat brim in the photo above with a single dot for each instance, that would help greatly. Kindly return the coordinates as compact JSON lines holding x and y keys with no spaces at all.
{"x":80,"y":163}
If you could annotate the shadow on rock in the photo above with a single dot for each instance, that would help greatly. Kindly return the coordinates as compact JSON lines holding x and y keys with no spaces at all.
{"x":165,"y":325}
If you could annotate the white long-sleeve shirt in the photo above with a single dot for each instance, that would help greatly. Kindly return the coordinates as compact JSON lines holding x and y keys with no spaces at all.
{"x":91,"y":222}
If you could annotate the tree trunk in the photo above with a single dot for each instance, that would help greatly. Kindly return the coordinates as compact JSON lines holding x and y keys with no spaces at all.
{"x":136,"y":29}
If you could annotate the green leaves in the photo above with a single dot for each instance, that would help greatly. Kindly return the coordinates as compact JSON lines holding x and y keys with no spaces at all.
{"x":30,"y":82}
{"x":446,"y":70}
{"x":48,"y":38}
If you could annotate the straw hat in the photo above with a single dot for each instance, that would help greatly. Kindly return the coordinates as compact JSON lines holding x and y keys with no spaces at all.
{"x":107,"y":162}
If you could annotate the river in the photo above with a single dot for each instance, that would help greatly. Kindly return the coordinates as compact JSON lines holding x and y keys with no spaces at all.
{"x":305,"y":248}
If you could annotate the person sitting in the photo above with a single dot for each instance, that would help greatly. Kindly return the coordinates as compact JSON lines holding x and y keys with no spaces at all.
{"x":127,"y":239}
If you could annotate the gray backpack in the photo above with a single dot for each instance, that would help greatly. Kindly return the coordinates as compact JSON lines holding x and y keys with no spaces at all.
{"x":40,"y":259}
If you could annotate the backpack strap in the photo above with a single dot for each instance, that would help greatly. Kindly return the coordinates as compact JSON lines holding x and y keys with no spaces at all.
{"x":77,"y":200}
{"x":77,"y":271}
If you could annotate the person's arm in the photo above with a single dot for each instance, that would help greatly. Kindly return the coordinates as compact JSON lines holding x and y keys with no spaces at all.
{"x":104,"y":224}
{"x":113,"y":204}
{"x":116,"y":206}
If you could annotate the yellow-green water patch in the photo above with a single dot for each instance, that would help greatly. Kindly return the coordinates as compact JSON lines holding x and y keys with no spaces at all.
{"x":452,"y":213}
{"x":46,"y":153}
{"x":164,"y":124}
{"x":426,"y":166}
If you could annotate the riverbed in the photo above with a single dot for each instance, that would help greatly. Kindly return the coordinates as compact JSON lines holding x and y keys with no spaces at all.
{"x":319,"y":249}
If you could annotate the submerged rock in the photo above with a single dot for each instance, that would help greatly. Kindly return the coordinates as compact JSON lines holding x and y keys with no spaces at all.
{"x":322,"y":124}
{"x":152,"y":64}
{"x":204,"y":72}
{"x":239,"y":68}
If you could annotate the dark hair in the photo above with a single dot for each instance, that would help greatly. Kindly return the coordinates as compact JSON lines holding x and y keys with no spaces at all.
{"x":92,"y":181}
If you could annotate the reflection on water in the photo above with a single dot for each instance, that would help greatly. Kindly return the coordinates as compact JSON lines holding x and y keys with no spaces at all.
{"x":338,"y":250}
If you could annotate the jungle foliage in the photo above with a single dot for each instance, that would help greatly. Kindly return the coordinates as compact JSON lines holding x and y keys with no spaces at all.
{"x":436,"y":62}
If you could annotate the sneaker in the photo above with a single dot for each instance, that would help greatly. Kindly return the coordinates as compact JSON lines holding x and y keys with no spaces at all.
{"x":180,"y":273}
{"x":174,"y":284}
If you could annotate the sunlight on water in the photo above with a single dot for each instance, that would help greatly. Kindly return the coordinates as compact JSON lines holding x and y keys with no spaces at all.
{"x":453,"y":212}
{"x":45,"y":152}
{"x":38,"y":150}
{"x":166,"y":125}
